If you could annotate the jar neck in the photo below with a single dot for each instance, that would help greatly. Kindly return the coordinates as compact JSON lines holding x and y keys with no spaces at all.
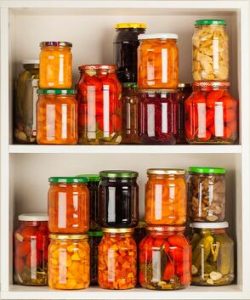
{"x":158,"y":176}
{"x":212,"y":231}
{"x":66,"y":184}
{"x":118,"y":234}
{"x":209,"y":88}
{"x":165,"y":233}
{"x":122,"y":180}
{"x":32,"y":223}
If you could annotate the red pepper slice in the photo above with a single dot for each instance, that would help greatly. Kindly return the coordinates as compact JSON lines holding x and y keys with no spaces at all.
{"x":168,"y":272}
{"x":176,"y":254}
{"x":177,"y":241}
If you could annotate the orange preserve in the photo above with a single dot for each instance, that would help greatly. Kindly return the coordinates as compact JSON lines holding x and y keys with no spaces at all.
{"x":158,"y":61}
{"x":55,"y":65}
{"x":68,"y":205}
{"x":56,"y":117}
{"x":166,"y":199}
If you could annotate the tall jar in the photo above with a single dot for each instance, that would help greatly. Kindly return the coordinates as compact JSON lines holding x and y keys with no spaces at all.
{"x":165,"y":259}
{"x":166,"y":200}
{"x":25,"y":103}
{"x":99,"y":98}
{"x":211,"y":114}
{"x":118,"y":198}
{"x":95,"y":238}
{"x":117,"y":257}
{"x":210,"y":50}
{"x":31,"y":250}
{"x":68,"y":205}
{"x":55,"y":65}
{"x":158,"y":61}
{"x":213,"y":254}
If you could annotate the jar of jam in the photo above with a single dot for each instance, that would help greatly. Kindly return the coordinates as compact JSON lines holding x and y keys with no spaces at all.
{"x":68,"y":205}
{"x":118,"y":198}
{"x":166,"y":200}
{"x":211,"y":114}
{"x":213,"y":254}
{"x":69,"y":262}
{"x":31,"y":250}
{"x":55,"y":65}
{"x":125,"y":50}
{"x":95,"y":238}
{"x":165,"y":259}
{"x":99,"y":97}
{"x":117,"y":259}
{"x":158,"y":61}
{"x":56,"y":117}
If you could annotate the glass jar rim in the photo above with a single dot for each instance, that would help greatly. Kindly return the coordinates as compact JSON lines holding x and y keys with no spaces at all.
{"x":33,"y":217}
{"x":131,"y":26}
{"x":166,"y":171}
{"x":166,"y":228}
{"x":98,"y":67}
{"x":158,"y":91}
{"x":214,"y":84}
{"x":118,"y":174}
{"x":118,"y":230}
{"x":160,"y":36}
{"x":55,"y":44}
{"x":201,"y":225}
{"x":54,"y":236}
{"x":68,"y":180}
{"x":207,"y":170}
{"x":56,"y":92}
{"x":210,"y":22}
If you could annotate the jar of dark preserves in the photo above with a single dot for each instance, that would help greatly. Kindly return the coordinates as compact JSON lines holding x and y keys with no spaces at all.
{"x":95,"y":238}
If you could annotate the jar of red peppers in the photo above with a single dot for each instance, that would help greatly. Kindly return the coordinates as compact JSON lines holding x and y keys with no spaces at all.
{"x":31,"y":250}
{"x":95,"y":238}
{"x":165,"y":259}
{"x":211,"y":114}
{"x":99,"y":97}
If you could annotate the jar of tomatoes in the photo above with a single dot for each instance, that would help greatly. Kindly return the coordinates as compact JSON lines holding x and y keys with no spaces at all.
{"x":117,"y":258}
{"x":158,"y":61}
{"x":68,"y":205}
{"x":118,"y":198}
{"x":211,"y":114}
{"x":31,"y":250}
{"x":166,"y":199}
{"x":56,"y":117}
{"x":55,"y":65}
{"x":95,"y":238}
{"x":99,"y":97}
{"x":69,"y":262}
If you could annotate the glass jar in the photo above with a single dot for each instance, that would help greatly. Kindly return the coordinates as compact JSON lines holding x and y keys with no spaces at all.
{"x":117,"y":259}
{"x":31,"y":250}
{"x":210,"y":51}
{"x":25,"y":103}
{"x":158,"y":61}
{"x":95,"y":238}
{"x":99,"y":97}
{"x":125,"y":50}
{"x":206,"y":194}
{"x":56,"y":117}
{"x":213,"y":254}
{"x":55,"y":65}
{"x":165,"y":259}
{"x":68,"y":205}
{"x":158,"y":116}
{"x":118,"y":198}
{"x":166,"y":200}
{"x":69,"y":262}
{"x":211,"y":114}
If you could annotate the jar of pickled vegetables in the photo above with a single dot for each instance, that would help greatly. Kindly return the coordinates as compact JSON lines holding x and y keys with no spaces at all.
{"x":166,"y":200}
{"x":210,"y":50}
{"x":118,"y":198}
{"x":55,"y":65}
{"x":56,"y":117}
{"x":165,"y":259}
{"x":211,"y":114}
{"x":69,"y":262}
{"x":99,"y":97}
{"x":68,"y":205}
{"x":206,"y":194}
{"x":213,"y":254}
{"x":31,"y":250}
{"x":125,"y":50}
{"x":95,"y":238}
{"x":158,"y":61}
{"x":25,"y":103}
{"x":117,"y":259}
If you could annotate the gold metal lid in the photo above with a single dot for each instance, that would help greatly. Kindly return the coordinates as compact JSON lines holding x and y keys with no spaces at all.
{"x":118,"y":230}
{"x":68,"y":236}
{"x":166,"y":228}
{"x":163,"y":171}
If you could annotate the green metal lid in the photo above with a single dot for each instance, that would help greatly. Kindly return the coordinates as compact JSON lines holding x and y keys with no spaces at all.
{"x":130,"y":85}
{"x":210,"y":22}
{"x":95,"y":233}
{"x":118,"y":174}
{"x":207,"y":170}
{"x":68,"y":179}
{"x":56,"y":92}
{"x":91,"y":177}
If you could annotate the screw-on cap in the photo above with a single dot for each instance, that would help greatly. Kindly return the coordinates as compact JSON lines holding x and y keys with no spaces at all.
{"x":33,"y":217}
{"x":56,"y":92}
{"x":210,"y":22}
{"x":162,"y":171}
{"x":118,"y":174}
{"x":55,"y":44}
{"x":218,"y":225}
{"x":160,"y":36}
{"x":207,"y":170}
{"x":90,"y":177}
{"x":118,"y":230}
{"x":68,"y":236}
{"x":68,"y":179}
{"x":130,"y":25}
{"x":95,"y":233}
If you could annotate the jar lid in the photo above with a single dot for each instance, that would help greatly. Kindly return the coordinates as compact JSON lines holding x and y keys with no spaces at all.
{"x":55,"y":44}
{"x":56,"y":92}
{"x":161,"y":36}
{"x":95,"y":233}
{"x":218,"y":225}
{"x":97,"y":67}
{"x":184,"y":85}
{"x":204,"y":84}
{"x":207,"y":170}
{"x":68,"y":179}
{"x":210,"y":22}
{"x":119,"y":174}
{"x":166,"y":228}
{"x":118,"y":230}
{"x":130,"y":85}
{"x":141,"y":224}
{"x":162,"y":171}
{"x":68,"y":236}
{"x":130,"y":25}
{"x":39,"y":217}
{"x":31,"y":62}
{"x":90,"y":177}
{"x":158,"y":91}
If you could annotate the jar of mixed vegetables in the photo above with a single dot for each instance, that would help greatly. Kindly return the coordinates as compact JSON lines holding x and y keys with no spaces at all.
{"x":95,"y":238}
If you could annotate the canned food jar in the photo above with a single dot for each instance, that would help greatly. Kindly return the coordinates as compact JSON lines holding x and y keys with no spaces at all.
{"x":68,"y":205}
{"x":211,"y":114}
{"x":95,"y":238}
{"x":166,"y":200}
{"x":207,"y":194}
{"x":125,"y":50}
{"x":69,"y":260}
{"x":25,"y":103}
{"x":158,"y":61}
{"x":31,"y":250}
{"x":210,"y":50}
{"x":165,"y":259}
{"x":56,"y":117}
{"x":99,"y":97}
{"x":55,"y":65}
{"x":117,"y":259}
{"x":213,"y":254}
{"x":118,"y":198}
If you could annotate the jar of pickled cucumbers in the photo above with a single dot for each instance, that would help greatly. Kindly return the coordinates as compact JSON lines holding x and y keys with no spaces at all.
{"x":213,"y":254}
{"x":95,"y":238}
